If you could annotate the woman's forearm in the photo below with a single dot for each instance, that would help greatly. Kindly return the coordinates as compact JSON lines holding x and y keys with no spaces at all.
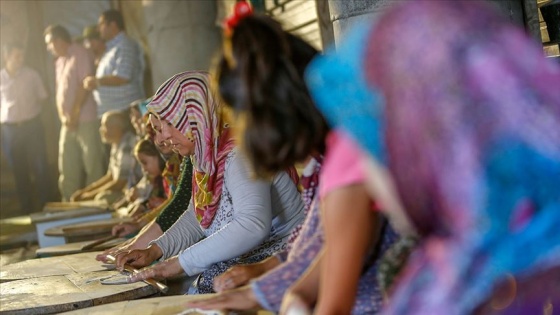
{"x":149,"y":233}
{"x":351,"y":227}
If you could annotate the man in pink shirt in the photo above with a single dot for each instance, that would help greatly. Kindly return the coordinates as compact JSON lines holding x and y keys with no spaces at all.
{"x":81,"y":159}
{"x":94,"y":43}
{"x":21,"y":95}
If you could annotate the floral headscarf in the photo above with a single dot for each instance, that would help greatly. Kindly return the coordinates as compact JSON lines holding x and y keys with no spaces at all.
{"x":469,"y":126}
{"x":187,"y":102}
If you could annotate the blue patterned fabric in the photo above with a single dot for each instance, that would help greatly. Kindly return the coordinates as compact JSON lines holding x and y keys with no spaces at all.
{"x":344,"y":96}
{"x":469,"y":127}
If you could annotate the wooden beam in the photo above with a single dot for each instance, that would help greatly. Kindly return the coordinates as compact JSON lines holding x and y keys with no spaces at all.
{"x":531,"y":19}
{"x":325,"y":23}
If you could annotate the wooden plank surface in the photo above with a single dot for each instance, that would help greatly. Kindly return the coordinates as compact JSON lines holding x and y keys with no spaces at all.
{"x":52,"y":266}
{"x":75,"y":248}
{"x":84,"y":228}
{"x":16,"y":232}
{"x":55,"y":294}
{"x":40,"y":217}
{"x":15,"y":255}
{"x":65,"y":206}
{"x":166,"y":305}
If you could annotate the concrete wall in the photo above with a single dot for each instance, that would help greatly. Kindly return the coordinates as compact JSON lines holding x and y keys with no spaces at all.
{"x":14,"y":22}
{"x":181,"y":35}
{"x":344,"y":13}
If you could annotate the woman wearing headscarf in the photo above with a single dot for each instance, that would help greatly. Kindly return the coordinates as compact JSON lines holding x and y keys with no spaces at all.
{"x":177,"y":182}
{"x":465,"y":139}
{"x":232,"y":218}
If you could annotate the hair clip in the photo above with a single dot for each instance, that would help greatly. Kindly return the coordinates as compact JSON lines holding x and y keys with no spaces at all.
{"x":240,"y":10}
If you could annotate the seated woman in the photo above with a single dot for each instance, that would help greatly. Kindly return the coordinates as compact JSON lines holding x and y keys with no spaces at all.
{"x":170,"y":176}
{"x":466,"y":143}
{"x":178,"y":177}
{"x":282,"y":126}
{"x":232,"y":218}
{"x":169,"y":181}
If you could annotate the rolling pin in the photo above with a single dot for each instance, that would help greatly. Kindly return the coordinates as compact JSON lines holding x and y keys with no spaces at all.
{"x":156,"y":284}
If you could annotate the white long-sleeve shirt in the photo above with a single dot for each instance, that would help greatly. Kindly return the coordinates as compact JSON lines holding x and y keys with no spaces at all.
{"x":254,"y":217}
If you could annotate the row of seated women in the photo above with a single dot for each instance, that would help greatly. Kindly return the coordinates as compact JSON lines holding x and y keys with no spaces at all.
{"x":445,"y":135}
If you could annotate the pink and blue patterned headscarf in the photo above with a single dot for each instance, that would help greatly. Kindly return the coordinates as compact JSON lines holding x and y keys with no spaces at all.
{"x":464,"y":110}
{"x":188,"y":103}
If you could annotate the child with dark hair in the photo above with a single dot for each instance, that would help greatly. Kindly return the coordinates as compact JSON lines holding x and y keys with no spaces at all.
{"x":261,"y":77}
{"x":149,"y":192}
{"x":166,"y":212}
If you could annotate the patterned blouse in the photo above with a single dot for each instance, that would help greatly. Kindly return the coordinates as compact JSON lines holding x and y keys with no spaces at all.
{"x":180,"y":200}
{"x":270,"y":288}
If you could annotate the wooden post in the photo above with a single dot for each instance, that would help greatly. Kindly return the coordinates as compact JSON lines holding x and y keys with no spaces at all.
{"x":531,"y":16}
{"x":325,"y":23}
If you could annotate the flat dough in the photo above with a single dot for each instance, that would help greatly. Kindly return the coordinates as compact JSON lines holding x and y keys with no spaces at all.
{"x":197,"y":311}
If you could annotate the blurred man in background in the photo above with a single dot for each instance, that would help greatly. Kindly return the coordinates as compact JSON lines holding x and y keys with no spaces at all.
{"x":118,"y":80}
{"x":22,"y":93}
{"x":81,"y":155}
{"x":92,"y":41}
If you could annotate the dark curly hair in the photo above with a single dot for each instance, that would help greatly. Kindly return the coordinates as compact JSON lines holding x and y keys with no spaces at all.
{"x":260,"y":75}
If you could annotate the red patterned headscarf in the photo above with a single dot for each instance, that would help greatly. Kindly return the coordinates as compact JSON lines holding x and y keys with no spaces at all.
{"x":187,"y":102}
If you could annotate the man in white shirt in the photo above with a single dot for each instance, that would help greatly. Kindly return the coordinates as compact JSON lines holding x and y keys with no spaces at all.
{"x":22,"y":93}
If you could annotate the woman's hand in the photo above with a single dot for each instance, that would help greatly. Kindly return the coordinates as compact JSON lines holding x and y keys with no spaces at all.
{"x":163,"y":270}
{"x":77,"y":195}
{"x":86,"y":195}
{"x":119,"y":203}
{"x":237,"y":276}
{"x":155,"y":202}
{"x":124,"y":229}
{"x":139,"y":258}
{"x":121,"y":248}
{"x":137,"y":211}
{"x":131,"y":194}
{"x":238,"y":299}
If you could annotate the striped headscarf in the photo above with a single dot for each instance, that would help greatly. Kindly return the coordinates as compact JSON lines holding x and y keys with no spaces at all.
{"x":187,"y":102}
{"x":469,"y":126}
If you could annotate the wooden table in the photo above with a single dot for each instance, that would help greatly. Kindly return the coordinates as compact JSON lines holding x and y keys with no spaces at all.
{"x":166,"y":305}
{"x":58,"y":284}
{"x":52,"y":266}
{"x":15,"y":255}
{"x":75,"y":248}
{"x":85,"y":231}
{"x":56,"y":294}
{"x":46,"y":220}
{"x":73,"y":205}
{"x":16,"y":232}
